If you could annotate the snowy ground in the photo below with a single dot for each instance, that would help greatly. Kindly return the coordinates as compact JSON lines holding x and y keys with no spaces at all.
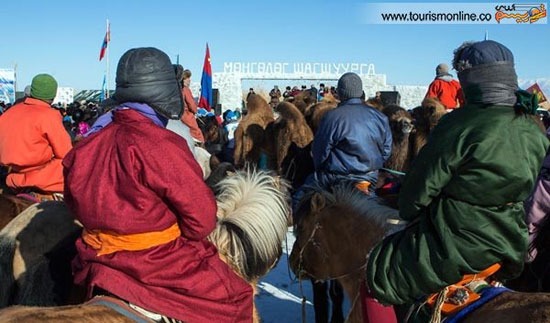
{"x":279,"y":298}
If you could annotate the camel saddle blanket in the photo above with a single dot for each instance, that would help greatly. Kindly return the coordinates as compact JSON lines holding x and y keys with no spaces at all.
{"x":458,"y":296}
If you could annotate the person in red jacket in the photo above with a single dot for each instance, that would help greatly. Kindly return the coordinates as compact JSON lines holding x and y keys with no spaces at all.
{"x":445,"y":88}
{"x":190,"y":108}
{"x":145,"y":209}
{"x":33,"y":141}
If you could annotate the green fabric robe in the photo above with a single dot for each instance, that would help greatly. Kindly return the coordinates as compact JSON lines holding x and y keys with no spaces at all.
{"x":464,"y":195}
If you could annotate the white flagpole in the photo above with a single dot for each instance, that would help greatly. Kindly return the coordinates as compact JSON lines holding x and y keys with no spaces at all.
{"x":108,"y":66}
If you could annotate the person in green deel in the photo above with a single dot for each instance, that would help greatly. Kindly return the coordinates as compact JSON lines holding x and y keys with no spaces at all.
{"x":464,"y":193}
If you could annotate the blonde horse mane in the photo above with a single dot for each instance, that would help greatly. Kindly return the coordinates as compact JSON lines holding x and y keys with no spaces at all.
{"x":252,"y":221}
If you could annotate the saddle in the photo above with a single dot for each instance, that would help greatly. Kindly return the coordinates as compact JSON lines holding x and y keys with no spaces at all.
{"x":36,"y":197}
{"x":131,"y":311}
{"x":456,"y":297}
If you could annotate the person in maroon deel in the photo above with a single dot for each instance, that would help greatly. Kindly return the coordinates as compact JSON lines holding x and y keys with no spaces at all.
{"x":134,"y":186}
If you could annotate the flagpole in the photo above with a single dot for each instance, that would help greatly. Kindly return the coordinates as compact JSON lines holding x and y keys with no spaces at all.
{"x":108,"y":54}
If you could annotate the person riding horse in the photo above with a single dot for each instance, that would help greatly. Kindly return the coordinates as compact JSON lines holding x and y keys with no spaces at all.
{"x":352,"y":143}
{"x":464,"y":193}
{"x":146,"y":211}
{"x":33,"y":142}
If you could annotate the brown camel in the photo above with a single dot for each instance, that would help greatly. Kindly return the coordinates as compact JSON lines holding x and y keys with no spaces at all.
{"x":401,"y":125}
{"x":290,"y":128}
{"x":426,"y":116}
{"x":304,"y":100}
{"x":260,"y":115}
{"x":316,"y":112}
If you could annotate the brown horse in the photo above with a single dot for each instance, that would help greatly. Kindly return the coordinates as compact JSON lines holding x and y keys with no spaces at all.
{"x":252,"y":215}
{"x":338,"y":227}
{"x":10,"y":207}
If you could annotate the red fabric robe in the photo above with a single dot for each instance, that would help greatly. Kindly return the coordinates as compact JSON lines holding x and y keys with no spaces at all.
{"x":33,"y":142}
{"x":189,"y":111}
{"x":133,"y":177}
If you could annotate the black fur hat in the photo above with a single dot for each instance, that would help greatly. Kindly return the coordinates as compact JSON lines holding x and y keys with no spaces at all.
{"x":146,"y":75}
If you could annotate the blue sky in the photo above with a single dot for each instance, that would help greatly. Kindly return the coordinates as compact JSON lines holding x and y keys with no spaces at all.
{"x":64,"y":37}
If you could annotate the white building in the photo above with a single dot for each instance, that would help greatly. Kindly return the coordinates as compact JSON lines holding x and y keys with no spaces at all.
{"x":65,"y":95}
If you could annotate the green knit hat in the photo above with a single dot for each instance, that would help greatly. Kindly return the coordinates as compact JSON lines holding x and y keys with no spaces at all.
{"x":43,"y":87}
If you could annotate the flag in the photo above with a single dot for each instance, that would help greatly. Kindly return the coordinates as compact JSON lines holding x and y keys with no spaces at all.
{"x":543,"y":101}
{"x":103,"y":89}
{"x":106,"y":41}
{"x":205,"y":100}
{"x":536,"y":90}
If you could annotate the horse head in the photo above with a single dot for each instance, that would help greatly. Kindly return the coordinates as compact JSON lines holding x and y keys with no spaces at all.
{"x":310,"y":241}
{"x":335,"y":230}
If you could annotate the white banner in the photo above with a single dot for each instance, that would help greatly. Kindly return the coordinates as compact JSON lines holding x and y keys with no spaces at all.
{"x":7,"y":85}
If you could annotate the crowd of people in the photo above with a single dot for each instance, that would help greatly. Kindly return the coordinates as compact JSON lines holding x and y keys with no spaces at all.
{"x":127,"y":175}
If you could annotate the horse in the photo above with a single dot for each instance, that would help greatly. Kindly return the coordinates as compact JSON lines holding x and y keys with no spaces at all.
{"x":252,"y":216}
{"x":11,"y":206}
{"x":534,"y":277}
{"x":337,"y":227}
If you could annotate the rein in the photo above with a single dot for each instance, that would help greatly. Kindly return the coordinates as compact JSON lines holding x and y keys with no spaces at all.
{"x":393,"y":172}
{"x":301,"y":270}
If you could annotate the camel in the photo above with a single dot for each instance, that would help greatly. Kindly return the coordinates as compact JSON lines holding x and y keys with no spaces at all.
{"x":259,"y":115}
{"x":426,"y":116}
{"x":401,"y":125}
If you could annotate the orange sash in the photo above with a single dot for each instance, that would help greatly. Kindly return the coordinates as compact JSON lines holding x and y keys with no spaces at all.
{"x":108,"y":242}
{"x":449,"y":308}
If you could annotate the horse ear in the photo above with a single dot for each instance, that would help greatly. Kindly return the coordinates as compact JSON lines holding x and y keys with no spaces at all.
{"x":317,"y":202}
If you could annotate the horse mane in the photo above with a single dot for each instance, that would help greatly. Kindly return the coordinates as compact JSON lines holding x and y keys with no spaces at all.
{"x":252,"y":221}
{"x":344,"y":195}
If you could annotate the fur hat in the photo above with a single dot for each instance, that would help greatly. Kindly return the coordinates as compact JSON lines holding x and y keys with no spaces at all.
{"x":442,"y":70}
{"x":350,"y":86}
{"x":146,"y":75}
